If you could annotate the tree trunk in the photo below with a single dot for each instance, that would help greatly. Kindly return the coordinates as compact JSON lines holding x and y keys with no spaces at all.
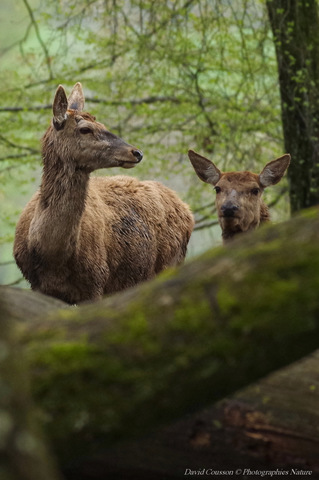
{"x":118,"y":368}
{"x":295,"y":27}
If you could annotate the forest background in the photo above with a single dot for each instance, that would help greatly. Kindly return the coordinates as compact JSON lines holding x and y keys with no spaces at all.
{"x":198,"y":74}
{"x":238,"y":81}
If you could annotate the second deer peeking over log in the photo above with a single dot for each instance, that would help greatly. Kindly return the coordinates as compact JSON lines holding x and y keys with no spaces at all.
{"x":79,"y":237}
{"x":239,"y":202}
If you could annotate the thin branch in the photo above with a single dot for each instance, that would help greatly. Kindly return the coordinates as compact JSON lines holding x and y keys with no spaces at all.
{"x":3,"y":51}
{"x":8,"y":157}
{"x":140,"y":101}
{"x":203,"y":207}
{"x":8,"y":143}
{"x":36,"y":108}
{"x":206,"y":225}
{"x":9,"y":262}
{"x":169,"y":19}
{"x":26,"y":35}
{"x":281,"y":192}
{"x":16,"y":282}
{"x":37,"y":32}
{"x":202,"y":105}
{"x":80,"y":14}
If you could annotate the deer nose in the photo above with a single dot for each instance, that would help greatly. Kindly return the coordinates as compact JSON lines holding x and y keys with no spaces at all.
{"x":229,"y":209}
{"x":138,"y":154}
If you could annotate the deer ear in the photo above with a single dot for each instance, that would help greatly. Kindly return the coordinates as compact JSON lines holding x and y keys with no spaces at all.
{"x":274,"y":171}
{"x":60,"y":106}
{"x":76,"y":98}
{"x":205,"y":169}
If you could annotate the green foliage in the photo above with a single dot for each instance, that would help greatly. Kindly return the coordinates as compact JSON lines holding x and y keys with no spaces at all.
{"x":196,"y":73}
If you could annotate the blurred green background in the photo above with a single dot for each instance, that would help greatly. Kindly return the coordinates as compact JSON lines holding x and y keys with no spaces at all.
{"x":190,"y":74}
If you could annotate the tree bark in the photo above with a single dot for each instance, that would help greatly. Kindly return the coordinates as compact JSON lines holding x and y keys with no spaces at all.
{"x":118,"y":368}
{"x":271,"y":425}
{"x":295,"y":27}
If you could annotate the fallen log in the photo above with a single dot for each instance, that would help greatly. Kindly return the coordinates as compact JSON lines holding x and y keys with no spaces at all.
{"x":118,"y":368}
{"x":270,"y":426}
{"x":23,"y":451}
{"x":22,"y":304}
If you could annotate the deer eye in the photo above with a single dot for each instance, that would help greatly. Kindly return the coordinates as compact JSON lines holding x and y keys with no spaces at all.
{"x":255,"y":191}
{"x":85,"y":130}
{"x":217,"y":189}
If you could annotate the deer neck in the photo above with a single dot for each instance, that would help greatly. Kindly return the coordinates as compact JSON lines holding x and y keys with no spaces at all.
{"x":228,"y":234}
{"x":56,"y":223}
{"x":63,"y":188}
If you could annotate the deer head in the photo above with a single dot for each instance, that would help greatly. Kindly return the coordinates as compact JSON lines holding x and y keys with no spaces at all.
{"x":238,"y":194}
{"x":78,"y":138}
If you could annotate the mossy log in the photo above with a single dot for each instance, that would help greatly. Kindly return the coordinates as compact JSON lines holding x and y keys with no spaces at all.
{"x":269,"y":426}
{"x":25,"y":304}
{"x":118,"y":368}
{"x":23,"y":452}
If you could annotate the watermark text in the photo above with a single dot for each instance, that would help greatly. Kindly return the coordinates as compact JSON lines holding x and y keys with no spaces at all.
{"x":248,"y":472}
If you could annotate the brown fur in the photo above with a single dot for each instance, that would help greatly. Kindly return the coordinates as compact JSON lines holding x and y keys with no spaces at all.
{"x":239,"y":202}
{"x":79,"y":237}
{"x":237,"y":187}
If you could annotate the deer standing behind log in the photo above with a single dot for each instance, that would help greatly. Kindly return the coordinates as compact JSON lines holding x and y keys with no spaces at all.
{"x":79,"y":237}
{"x":239,"y":202}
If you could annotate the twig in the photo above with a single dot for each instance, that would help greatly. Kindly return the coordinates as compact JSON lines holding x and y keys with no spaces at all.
{"x":14,"y":145}
{"x":206,"y":225}
{"x":140,"y":101}
{"x":16,"y":282}
{"x":274,"y":202}
{"x":37,"y":32}
{"x":9,"y":262}
{"x":25,"y":109}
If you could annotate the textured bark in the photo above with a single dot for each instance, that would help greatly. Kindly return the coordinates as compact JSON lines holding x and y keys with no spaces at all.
{"x":269,"y":426}
{"x":295,"y":26}
{"x":118,"y":368}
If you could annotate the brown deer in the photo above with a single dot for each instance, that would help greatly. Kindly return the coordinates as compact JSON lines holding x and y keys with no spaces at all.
{"x":79,"y":237}
{"x":239,"y":202}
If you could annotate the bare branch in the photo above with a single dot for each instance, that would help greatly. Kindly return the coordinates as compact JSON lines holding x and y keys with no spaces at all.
{"x":140,"y":101}
{"x":9,"y":262}
{"x":15,"y":282}
{"x":8,"y":143}
{"x":203,"y":207}
{"x":205,"y":225}
{"x":25,"y":109}
{"x":8,"y":157}
{"x":37,"y":32}
{"x":281,"y":192}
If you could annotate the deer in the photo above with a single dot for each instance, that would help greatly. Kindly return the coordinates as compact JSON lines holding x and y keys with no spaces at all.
{"x":82,"y":237}
{"x":239,"y":202}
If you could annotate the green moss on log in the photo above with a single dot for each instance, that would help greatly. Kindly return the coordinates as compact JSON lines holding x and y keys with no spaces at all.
{"x":120,"y":366}
{"x":23,"y":452}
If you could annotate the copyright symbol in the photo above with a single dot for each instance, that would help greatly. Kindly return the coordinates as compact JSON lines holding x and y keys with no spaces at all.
{"x":238,"y":471}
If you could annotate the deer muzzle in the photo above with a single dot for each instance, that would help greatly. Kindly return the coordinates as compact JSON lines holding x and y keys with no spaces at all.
{"x":138,"y":154}
{"x":229,"y":209}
